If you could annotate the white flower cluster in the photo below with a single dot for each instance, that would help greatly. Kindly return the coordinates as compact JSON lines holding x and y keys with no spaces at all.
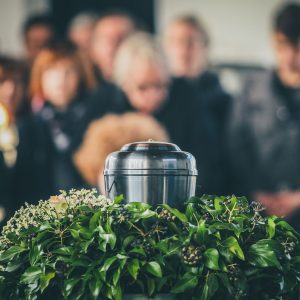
{"x":56,"y":208}
{"x":90,"y":198}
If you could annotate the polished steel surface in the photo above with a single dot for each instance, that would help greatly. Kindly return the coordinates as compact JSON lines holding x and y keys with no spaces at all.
{"x":151,"y":172}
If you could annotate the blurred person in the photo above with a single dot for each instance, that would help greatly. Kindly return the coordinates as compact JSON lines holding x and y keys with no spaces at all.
{"x":109,"y":134}
{"x":59,"y":77}
{"x":80,"y":31}
{"x":265,"y":131}
{"x":48,"y":138}
{"x":8,"y":142}
{"x":187,"y":45}
{"x":12,"y":86}
{"x":144,"y":85}
{"x":110,"y":29}
{"x":14,"y":106}
{"x":38,"y":32}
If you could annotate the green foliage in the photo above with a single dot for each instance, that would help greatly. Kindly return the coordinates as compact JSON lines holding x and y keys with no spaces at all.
{"x":81,"y":246}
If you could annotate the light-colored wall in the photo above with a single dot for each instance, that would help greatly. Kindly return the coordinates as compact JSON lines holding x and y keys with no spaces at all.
{"x":12,"y":15}
{"x":239,"y":29}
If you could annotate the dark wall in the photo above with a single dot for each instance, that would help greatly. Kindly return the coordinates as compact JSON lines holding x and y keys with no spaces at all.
{"x":64,"y":10}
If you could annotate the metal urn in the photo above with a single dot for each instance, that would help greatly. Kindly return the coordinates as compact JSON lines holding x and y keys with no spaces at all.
{"x":151,"y":172}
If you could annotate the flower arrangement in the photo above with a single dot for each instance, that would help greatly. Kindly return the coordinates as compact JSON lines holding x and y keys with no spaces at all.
{"x":80,"y":245}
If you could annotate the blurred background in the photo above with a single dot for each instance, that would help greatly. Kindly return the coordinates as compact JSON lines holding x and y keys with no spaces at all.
{"x":240,"y":31}
{"x":221,"y":79}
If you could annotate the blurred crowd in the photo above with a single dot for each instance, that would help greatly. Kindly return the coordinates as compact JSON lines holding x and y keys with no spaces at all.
{"x":67,"y":103}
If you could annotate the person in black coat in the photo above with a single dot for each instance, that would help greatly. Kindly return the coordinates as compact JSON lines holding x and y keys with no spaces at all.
{"x":265,"y":129}
{"x":186,"y":43}
{"x":144,"y":85}
{"x":59,"y":77}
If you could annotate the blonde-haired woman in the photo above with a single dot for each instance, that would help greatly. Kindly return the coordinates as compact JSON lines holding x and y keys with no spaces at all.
{"x":144,"y":85}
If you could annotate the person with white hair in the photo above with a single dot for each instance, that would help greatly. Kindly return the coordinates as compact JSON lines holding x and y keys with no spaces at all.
{"x":143,"y":84}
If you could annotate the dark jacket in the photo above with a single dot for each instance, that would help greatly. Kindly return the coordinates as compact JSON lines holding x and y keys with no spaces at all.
{"x":265,"y":136}
{"x":44,"y":163}
{"x":211,"y":117}
{"x":191,"y":121}
{"x":60,"y":140}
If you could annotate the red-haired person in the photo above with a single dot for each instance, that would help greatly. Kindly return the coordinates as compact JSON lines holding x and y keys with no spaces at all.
{"x":48,"y":140}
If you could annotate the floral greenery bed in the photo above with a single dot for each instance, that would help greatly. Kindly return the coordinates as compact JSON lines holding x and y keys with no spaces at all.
{"x":80,"y":245}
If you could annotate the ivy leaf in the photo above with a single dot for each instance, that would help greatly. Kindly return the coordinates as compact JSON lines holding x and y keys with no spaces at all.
{"x":133,"y":268}
{"x":128,"y":240}
{"x":117,"y":293}
{"x":204,"y":295}
{"x":107,"y":239}
{"x":213,"y":284}
{"x":270,"y":228}
{"x":45,"y":280}
{"x":13,"y":265}
{"x":140,"y":251}
{"x":182,"y":217}
{"x":150,"y":286}
{"x":288,"y":228}
{"x":31,"y":275}
{"x":35,"y":254}
{"x":45,"y":226}
{"x":67,"y":251}
{"x":85,"y":245}
{"x":211,"y":258}
{"x":147,"y":214}
{"x":69,"y":284}
{"x":85,"y":233}
{"x":218,"y":203}
{"x":118,"y":199}
{"x":95,"y":286}
{"x":232,"y":244}
{"x":75,"y":234}
{"x":263,"y":254}
{"x":141,"y":206}
{"x":11,"y":253}
{"x":116,"y":276}
{"x":94,"y":220}
{"x":107,"y":264}
{"x":187,"y":282}
{"x":154,"y":268}
{"x":201,"y":235}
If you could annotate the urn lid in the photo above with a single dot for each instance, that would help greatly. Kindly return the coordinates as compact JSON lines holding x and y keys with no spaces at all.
{"x":150,"y":158}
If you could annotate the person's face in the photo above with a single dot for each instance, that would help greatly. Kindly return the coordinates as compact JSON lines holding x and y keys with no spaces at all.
{"x":12,"y":93}
{"x":287,"y":54}
{"x":147,"y":86}
{"x":185,"y":50}
{"x":81,"y":36}
{"x":60,"y":83}
{"x":106,"y":38}
{"x":36,"y":39}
